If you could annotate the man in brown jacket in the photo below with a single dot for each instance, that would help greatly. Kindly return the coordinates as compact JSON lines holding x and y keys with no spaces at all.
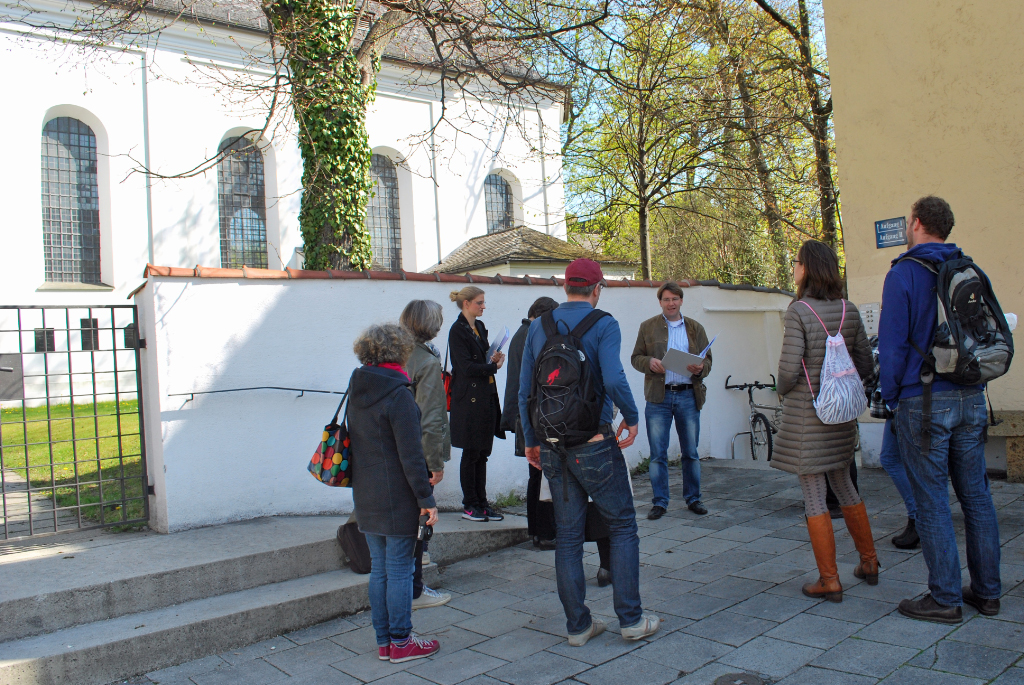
{"x":672,"y":396}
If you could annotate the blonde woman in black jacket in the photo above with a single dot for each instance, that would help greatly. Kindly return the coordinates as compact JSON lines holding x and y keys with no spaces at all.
{"x":475,"y":411}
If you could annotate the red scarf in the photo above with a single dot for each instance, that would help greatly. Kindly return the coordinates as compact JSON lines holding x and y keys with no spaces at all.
{"x":394,"y":367}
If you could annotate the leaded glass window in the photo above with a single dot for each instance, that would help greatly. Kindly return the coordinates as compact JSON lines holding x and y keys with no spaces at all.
{"x":241,"y":190}
{"x":382,"y":220}
{"x":498,"y":203}
{"x":71,"y":202}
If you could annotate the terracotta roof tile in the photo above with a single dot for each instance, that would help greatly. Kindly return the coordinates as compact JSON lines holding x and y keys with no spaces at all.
{"x":518,"y":244}
{"x":300,"y":274}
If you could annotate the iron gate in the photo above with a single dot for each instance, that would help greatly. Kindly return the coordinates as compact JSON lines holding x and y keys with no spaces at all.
{"x":72,"y":453}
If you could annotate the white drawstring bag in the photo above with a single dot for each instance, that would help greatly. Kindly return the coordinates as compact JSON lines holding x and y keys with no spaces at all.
{"x":841,"y":397}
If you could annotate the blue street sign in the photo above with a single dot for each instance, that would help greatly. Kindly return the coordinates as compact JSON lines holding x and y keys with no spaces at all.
{"x":891,"y":232}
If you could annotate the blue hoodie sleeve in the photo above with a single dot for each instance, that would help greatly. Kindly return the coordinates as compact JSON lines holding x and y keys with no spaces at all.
{"x":612,"y":374}
{"x":525,"y":385}
{"x":893,"y":335}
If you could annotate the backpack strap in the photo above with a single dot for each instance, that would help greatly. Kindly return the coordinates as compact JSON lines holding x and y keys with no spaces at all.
{"x":548,"y":323}
{"x":815,"y":316}
{"x":841,"y":321}
{"x":923,"y":262}
{"x":587,"y":323}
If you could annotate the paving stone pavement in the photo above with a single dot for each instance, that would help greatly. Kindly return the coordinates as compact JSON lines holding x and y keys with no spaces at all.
{"x":727,"y":586}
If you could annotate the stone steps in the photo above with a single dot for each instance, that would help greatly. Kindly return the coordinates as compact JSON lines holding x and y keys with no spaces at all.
{"x":158,"y":600}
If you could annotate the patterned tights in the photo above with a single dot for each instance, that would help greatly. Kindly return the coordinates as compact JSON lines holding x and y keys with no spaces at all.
{"x":814,"y":489}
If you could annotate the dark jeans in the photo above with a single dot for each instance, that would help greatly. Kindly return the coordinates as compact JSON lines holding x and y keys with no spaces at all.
{"x":604,"y":553}
{"x":956,"y":452}
{"x":540,"y":516}
{"x":417,"y":570}
{"x":391,"y":586}
{"x":892,"y":462}
{"x":596,"y":469}
{"x":473,"y":475}
{"x":831,"y":501}
{"x":681,"y":406}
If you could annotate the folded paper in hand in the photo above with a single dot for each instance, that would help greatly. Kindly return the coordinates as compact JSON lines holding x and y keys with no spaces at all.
{"x":498,"y":344}
{"x":677,"y":360}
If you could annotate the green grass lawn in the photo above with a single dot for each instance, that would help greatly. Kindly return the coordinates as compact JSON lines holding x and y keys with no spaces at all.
{"x":99,"y":449}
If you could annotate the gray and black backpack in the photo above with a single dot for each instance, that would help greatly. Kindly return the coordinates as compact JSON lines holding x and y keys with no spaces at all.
{"x":972,"y":343}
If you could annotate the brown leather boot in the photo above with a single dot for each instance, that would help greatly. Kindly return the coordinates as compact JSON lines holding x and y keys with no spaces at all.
{"x":860,"y":530}
{"x":823,"y":542}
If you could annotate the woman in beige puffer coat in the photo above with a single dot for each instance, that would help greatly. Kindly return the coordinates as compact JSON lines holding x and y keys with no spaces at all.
{"x":805,"y":446}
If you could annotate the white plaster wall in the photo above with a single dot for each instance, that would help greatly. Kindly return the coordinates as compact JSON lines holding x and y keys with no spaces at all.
{"x":234,"y":456}
{"x":189,"y":115}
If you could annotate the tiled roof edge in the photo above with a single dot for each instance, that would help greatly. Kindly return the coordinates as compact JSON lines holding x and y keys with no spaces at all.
{"x":302,"y":274}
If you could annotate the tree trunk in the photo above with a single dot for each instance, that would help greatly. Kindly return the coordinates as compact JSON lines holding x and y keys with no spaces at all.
{"x":776,"y":228}
{"x":643,"y":221}
{"x":820,"y":115}
{"x":331,"y":87}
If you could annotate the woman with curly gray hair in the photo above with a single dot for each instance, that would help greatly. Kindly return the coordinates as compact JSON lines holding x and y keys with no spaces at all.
{"x":390,"y":484}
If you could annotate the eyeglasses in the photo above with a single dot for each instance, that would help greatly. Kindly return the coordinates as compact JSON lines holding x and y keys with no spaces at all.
{"x":794,"y":262}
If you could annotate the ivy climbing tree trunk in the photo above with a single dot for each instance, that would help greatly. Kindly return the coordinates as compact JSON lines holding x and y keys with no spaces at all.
{"x":330,"y":92}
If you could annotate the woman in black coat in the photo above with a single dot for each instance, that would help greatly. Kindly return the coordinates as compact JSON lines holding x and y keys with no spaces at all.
{"x":540,"y":516}
{"x":390,"y":484}
{"x":475,"y":411}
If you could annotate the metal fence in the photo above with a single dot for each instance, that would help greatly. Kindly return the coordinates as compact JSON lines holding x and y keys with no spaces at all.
{"x":72,"y":453}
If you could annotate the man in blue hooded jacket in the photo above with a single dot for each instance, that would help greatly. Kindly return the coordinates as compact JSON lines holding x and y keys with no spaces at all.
{"x":958,"y":420}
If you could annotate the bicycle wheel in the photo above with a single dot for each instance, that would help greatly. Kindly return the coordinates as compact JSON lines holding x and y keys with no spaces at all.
{"x":760,"y":437}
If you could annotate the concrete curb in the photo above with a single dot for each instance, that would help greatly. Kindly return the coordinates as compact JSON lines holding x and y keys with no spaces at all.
{"x":102,"y":651}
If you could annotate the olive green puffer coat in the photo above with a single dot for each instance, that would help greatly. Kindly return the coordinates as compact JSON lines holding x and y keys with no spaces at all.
{"x":805,"y":445}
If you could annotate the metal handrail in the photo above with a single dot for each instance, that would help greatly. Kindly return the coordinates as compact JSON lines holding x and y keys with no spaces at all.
{"x":301,"y":391}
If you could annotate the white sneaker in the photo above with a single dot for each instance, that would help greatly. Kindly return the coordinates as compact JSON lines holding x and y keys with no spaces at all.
{"x":597,"y":627}
{"x":648,"y":625}
{"x":426,"y":558}
{"x":430,"y":598}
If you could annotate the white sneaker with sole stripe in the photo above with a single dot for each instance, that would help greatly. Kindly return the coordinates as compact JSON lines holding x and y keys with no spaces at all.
{"x":647,"y":626}
{"x":430,"y":598}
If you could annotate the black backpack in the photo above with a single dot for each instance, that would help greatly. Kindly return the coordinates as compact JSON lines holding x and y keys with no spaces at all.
{"x":565,"y":404}
{"x":972,"y":342}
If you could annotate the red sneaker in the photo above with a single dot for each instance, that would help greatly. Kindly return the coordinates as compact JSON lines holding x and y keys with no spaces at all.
{"x":413,"y":647}
{"x":384,"y":653}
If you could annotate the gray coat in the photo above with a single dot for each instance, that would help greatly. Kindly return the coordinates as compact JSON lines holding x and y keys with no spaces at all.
{"x":390,"y":483}
{"x":804,"y":444}
{"x":424,"y":369}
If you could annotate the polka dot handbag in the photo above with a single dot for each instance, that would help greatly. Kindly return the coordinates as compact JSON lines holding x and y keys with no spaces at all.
{"x":332,"y":462}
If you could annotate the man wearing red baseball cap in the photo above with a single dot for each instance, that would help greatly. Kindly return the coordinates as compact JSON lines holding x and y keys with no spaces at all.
{"x":593,"y":469}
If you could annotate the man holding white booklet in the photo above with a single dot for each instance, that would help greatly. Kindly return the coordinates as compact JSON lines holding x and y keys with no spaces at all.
{"x":673,"y":353}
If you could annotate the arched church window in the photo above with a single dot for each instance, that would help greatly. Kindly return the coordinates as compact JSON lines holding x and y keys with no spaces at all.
{"x":382,"y":219}
{"x":241,"y":191}
{"x":71,"y":202}
{"x":498,"y":203}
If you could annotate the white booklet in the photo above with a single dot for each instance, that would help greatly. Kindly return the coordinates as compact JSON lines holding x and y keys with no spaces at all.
{"x":499,"y":343}
{"x":676,"y":361}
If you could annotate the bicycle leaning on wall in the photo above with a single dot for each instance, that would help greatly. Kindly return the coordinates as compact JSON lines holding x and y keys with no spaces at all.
{"x":761,"y":427}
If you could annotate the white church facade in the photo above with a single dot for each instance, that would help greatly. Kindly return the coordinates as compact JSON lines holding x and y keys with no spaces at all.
{"x":82,"y":220}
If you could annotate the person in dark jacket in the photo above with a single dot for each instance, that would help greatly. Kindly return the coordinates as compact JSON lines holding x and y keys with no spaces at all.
{"x":390,"y":484}
{"x":956,"y":451}
{"x":812,"y":450}
{"x":475,"y":410}
{"x":540,"y":516}
{"x":423,"y":320}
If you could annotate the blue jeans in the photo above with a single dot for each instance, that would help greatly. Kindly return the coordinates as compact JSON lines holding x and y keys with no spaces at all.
{"x":956,"y":452}
{"x":391,"y":571}
{"x":681,"y":406}
{"x":892,"y":462}
{"x":596,"y":469}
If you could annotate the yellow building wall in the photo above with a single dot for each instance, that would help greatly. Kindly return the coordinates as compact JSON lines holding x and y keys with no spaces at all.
{"x":928,"y":98}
